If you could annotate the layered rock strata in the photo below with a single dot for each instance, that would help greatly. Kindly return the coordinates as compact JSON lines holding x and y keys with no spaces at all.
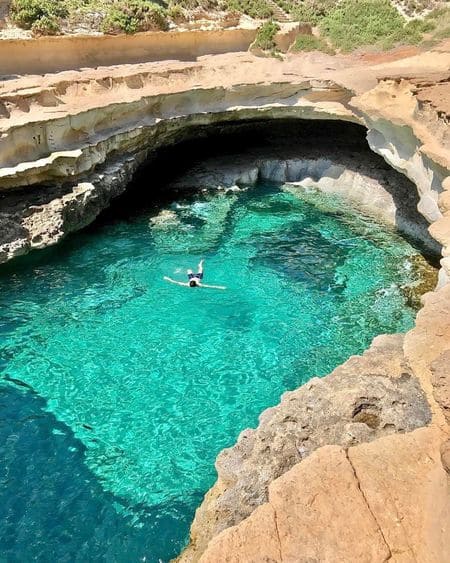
{"x":52,"y":54}
{"x":79,"y":127}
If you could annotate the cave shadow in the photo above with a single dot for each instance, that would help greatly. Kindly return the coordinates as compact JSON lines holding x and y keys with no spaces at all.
{"x":343,"y":143}
{"x":53,"y":508}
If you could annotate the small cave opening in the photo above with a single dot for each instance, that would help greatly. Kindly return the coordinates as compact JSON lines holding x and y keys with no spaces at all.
{"x":279,"y":138}
{"x":343,"y":143}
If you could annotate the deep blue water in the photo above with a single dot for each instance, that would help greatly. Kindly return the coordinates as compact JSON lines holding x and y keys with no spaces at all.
{"x":119,"y":389}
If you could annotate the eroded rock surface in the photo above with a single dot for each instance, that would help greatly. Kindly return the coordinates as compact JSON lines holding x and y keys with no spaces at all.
{"x":365,"y":181}
{"x":402,"y":476}
{"x":311,"y":528}
{"x":61,"y":128}
{"x":364,"y":503}
{"x":369,"y":396}
{"x":41,"y":217}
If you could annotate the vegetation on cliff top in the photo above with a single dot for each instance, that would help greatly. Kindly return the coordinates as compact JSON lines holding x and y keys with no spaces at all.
{"x":351,"y":24}
{"x":307,"y":43}
{"x":131,"y":16}
{"x":45,"y":17}
{"x":342,"y":25}
{"x":356,"y":23}
{"x":41,"y":16}
{"x":265,"y":38}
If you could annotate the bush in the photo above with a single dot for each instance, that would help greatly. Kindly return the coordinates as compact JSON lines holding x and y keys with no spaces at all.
{"x":176,"y":13}
{"x":26,"y":13}
{"x":47,"y":25}
{"x":258,"y":9}
{"x":265,"y":38}
{"x":356,"y":23}
{"x":131,"y":16}
{"x":311,"y":11}
{"x":420,"y":26}
{"x":411,"y":33}
{"x":311,"y":43}
{"x":440,"y":18}
{"x":443,"y":33}
{"x":203,"y":4}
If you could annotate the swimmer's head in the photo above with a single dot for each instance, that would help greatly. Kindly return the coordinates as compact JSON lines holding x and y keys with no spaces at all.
{"x":193,"y":283}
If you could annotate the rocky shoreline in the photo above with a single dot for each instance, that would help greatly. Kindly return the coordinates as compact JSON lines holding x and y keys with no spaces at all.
{"x":357,"y":496}
{"x":368,"y":397}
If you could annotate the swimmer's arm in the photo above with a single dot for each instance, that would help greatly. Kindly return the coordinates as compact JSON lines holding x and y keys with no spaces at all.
{"x":176,"y":282}
{"x":212,"y":286}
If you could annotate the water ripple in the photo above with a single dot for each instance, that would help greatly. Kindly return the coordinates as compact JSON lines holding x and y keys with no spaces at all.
{"x":144,"y":382}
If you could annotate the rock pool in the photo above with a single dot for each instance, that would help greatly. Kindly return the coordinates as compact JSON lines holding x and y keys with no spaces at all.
{"x":119,"y":389}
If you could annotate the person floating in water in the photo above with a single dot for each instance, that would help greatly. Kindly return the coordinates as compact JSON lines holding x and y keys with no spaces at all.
{"x":195,"y":280}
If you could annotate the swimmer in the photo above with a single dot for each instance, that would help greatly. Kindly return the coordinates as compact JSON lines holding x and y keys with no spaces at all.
{"x":195,"y":280}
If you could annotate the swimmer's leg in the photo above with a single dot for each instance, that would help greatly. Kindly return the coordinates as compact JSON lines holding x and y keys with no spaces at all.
{"x":200,"y":269}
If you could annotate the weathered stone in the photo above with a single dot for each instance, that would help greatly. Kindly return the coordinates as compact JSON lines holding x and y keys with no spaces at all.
{"x":367,"y":397}
{"x":302,"y":523}
{"x":440,"y":380}
{"x":428,"y":342}
{"x":399,"y":476}
{"x":361,"y":504}
{"x":445,"y":456}
{"x":309,"y":520}
{"x":250,"y":542}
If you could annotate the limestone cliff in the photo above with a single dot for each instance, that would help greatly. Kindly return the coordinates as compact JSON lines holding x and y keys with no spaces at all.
{"x":95,"y":127}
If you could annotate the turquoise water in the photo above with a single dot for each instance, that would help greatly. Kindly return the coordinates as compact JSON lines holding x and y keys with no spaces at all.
{"x":119,"y":389}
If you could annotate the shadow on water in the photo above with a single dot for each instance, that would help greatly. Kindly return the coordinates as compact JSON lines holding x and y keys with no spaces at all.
{"x":228,"y":140}
{"x":283,"y":138}
{"x":41,"y":462}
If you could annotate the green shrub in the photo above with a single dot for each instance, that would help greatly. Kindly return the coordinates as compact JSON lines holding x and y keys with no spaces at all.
{"x":443,"y":33}
{"x":356,"y":23}
{"x":131,"y":16}
{"x":176,"y":13}
{"x":440,"y":18}
{"x":420,"y":26}
{"x":258,"y":9}
{"x":438,"y":13}
{"x":411,"y":33}
{"x":203,"y":4}
{"x":26,"y":13}
{"x":311,"y":43}
{"x":311,"y":11}
{"x":265,"y":38}
{"x":47,"y":25}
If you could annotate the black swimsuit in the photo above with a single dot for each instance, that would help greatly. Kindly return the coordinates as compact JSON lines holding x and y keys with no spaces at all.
{"x":198,"y":276}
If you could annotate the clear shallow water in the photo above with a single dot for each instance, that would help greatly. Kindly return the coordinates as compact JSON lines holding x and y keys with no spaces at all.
{"x":133,"y":385}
